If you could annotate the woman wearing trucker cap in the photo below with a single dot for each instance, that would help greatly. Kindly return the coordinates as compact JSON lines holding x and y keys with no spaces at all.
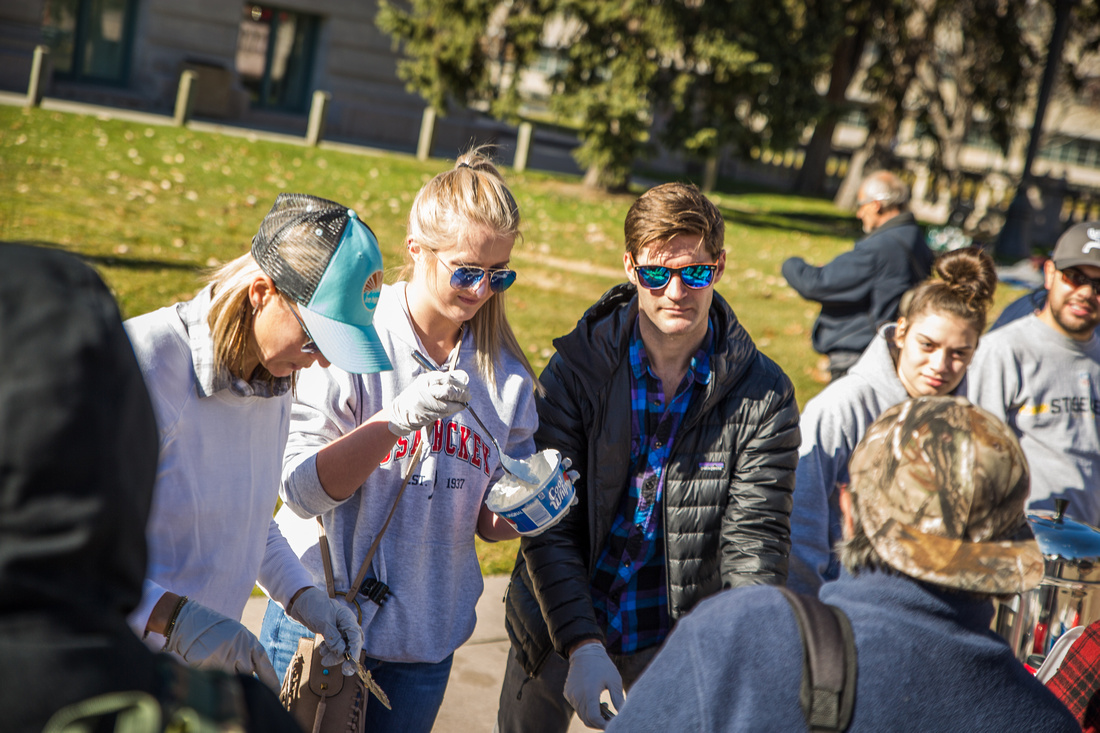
{"x":221,"y":370}
{"x":354,"y":438}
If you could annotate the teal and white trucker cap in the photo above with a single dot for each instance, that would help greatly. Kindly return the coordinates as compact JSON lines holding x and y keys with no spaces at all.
{"x":323,"y":257}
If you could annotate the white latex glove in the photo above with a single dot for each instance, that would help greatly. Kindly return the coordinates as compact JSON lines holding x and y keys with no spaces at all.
{"x":330,"y":618}
{"x":207,"y":639}
{"x":591,"y":672}
{"x":431,"y":396}
{"x":572,"y":476}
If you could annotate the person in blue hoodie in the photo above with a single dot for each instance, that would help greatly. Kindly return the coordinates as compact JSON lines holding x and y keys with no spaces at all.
{"x":934,"y":528}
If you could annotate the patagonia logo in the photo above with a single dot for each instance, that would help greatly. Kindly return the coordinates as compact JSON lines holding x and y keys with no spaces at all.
{"x":711,"y":466}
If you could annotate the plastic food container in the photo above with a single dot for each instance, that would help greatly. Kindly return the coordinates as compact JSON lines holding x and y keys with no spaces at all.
{"x":531,"y":507}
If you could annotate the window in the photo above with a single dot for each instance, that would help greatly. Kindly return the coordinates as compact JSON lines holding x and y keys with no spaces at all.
{"x":275,"y":56}
{"x":90,"y":40}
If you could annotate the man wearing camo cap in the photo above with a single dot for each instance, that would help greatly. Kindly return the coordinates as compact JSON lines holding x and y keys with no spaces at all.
{"x":1041,"y":375}
{"x":933,"y":529}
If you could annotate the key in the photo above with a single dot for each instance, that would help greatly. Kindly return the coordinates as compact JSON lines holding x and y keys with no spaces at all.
{"x":369,"y":683}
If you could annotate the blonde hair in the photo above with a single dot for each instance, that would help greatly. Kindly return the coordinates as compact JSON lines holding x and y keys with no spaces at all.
{"x":469,"y":197}
{"x":231,"y":315}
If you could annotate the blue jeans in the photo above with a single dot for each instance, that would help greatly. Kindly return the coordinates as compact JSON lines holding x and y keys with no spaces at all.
{"x":415,"y":689}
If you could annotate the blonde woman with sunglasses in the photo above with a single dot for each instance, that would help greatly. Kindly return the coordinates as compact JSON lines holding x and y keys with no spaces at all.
{"x":221,"y":369}
{"x":354,"y":439}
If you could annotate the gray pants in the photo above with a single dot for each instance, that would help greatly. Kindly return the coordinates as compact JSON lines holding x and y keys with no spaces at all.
{"x":841,"y":361}
{"x":538,"y":705}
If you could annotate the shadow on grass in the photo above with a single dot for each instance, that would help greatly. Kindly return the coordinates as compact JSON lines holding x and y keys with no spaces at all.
{"x":121,"y":262}
{"x":834,"y":225}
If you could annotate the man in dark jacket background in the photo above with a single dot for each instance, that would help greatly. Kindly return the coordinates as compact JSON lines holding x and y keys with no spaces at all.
{"x":685,"y":438}
{"x":860,"y":289}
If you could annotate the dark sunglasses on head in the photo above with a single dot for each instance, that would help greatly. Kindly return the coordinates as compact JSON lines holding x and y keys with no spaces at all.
{"x":654,"y":277}
{"x":468,"y":277}
{"x":310,"y":346}
{"x":1078,"y":279}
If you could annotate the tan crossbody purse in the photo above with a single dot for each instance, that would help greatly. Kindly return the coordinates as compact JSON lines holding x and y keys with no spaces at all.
{"x":321,"y":698}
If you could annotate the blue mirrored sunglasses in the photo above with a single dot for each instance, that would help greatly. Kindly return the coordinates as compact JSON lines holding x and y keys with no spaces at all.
{"x":310,"y":346}
{"x":468,"y":277}
{"x":695,"y":276}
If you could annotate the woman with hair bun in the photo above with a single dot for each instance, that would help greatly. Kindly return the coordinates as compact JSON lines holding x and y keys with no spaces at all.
{"x":355,"y":438}
{"x":925,"y":353}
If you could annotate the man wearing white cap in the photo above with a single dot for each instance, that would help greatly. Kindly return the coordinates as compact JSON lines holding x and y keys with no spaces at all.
{"x":1041,"y":375}
{"x":221,"y":370}
{"x":933,"y":527}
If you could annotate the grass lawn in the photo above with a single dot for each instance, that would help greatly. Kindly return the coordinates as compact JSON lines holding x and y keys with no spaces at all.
{"x":152,"y":207}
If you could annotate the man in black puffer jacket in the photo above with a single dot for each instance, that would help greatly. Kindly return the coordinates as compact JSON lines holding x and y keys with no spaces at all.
{"x":681,"y":492}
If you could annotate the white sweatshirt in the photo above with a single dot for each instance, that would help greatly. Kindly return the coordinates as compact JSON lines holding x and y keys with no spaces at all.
{"x":427,"y":554}
{"x":210,"y":533}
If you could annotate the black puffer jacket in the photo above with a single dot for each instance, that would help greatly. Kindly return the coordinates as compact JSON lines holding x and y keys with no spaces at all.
{"x":727,"y":496}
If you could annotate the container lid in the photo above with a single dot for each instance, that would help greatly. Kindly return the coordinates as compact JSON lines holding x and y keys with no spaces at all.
{"x":1064,"y":537}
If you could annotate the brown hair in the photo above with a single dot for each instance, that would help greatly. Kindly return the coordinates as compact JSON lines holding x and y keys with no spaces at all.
{"x":470,"y":196}
{"x":856,"y":553}
{"x":962,"y":285}
{"x":672,"y":209}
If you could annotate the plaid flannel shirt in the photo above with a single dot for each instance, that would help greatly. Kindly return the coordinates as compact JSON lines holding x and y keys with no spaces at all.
{"x":629,"y":588}
{"x":1077,"y":681}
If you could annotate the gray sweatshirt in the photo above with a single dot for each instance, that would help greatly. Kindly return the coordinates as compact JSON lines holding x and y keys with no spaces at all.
{"x":832,"y":425}
{"x":1046,"y":387}
{"x":427,"y":554}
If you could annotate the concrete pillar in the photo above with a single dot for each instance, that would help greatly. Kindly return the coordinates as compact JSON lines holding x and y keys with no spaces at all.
{"x":37,"y":85}
{"x":318,"y":111}
{"x":185,"y":98}
{"x":427,"y":132}
{"x":523,"y":146}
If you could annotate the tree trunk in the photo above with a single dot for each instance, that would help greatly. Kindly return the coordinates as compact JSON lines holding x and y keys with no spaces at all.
{"x":849,"y":49}
{"x":811,"y":176}
{"x":592,"y":176}
{"x":849,"y":188}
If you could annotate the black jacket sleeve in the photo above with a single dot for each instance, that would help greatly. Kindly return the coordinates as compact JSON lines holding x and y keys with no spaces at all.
{"x":556,"y":559}
{"x":756,"y":530}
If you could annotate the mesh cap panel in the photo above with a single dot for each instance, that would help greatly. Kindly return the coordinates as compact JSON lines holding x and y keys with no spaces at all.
{"x":302,"y":229}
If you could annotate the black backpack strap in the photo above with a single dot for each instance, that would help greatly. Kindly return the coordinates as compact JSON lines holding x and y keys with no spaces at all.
{"x":828,"y":663}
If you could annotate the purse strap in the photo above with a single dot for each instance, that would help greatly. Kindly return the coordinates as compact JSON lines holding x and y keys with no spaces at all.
{"x":326,"y":556}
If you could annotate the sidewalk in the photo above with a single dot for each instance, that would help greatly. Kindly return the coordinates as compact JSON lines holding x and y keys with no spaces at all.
{"x":470,"y":705}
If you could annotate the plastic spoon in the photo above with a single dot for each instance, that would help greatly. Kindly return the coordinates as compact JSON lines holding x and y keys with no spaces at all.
{"x":518,"y":469}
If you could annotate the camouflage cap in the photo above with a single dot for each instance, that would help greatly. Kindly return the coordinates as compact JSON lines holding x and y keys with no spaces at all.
{"x":941,"y":486}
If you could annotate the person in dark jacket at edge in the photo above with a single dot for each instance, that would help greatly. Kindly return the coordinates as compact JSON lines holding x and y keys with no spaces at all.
{"x":685,"y":437}
{"x":78,"y":458}
{"x":860,"y":290}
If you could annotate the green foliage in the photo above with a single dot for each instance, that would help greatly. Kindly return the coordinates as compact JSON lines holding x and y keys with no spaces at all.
{"x":715,"y":74}
{"x":463,"y":52}
{"x":613,"y":57}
